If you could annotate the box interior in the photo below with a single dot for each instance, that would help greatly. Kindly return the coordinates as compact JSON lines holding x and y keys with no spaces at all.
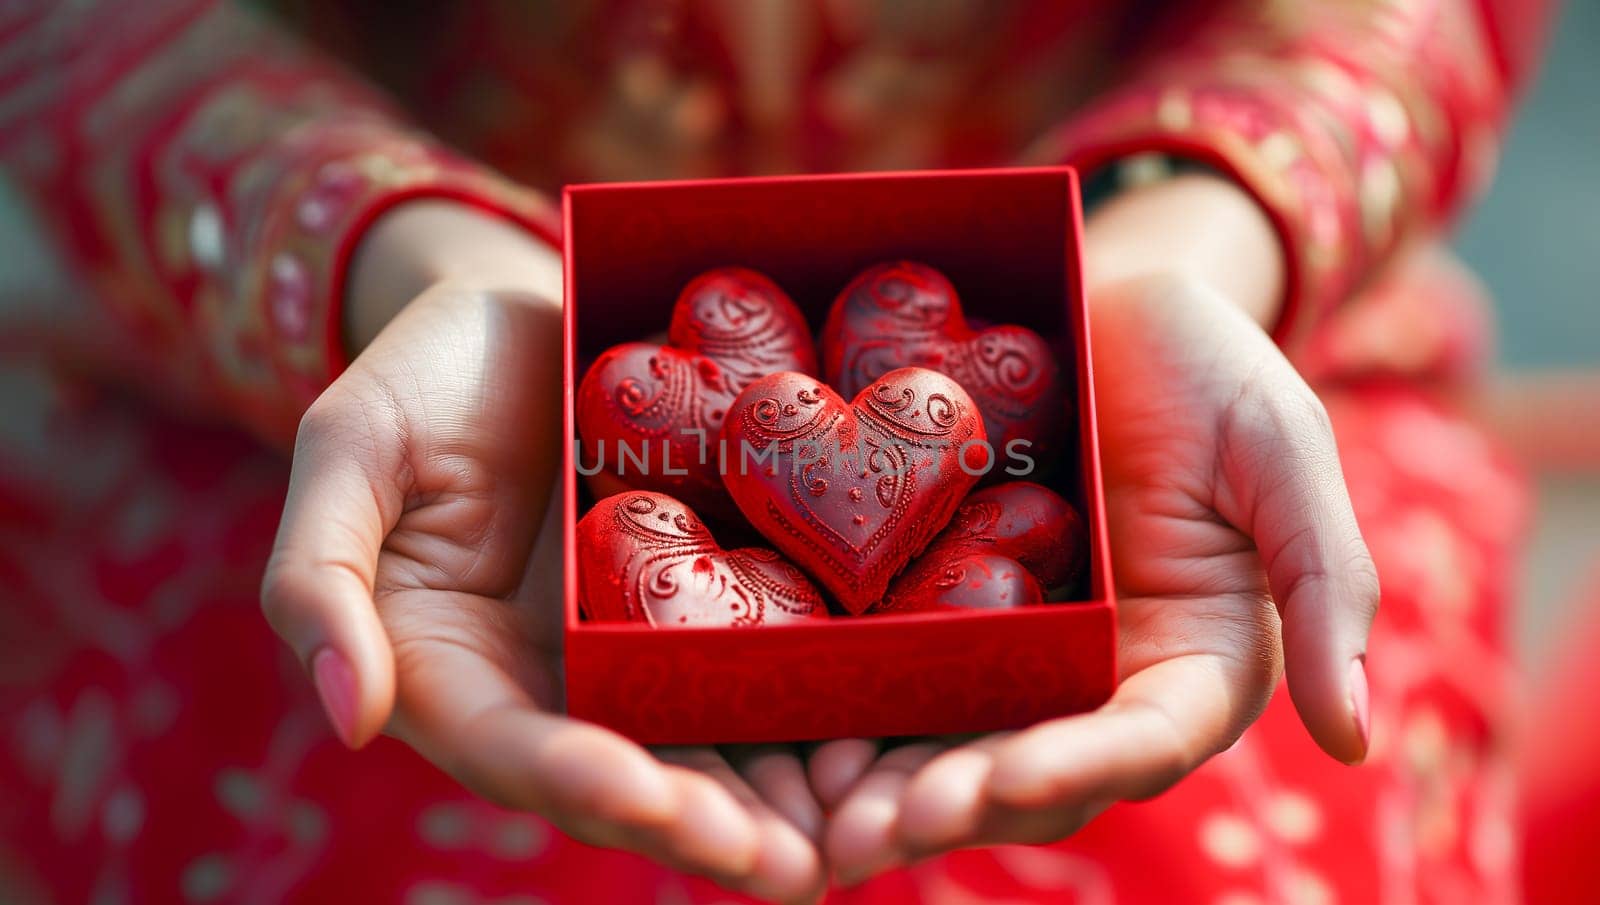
{"x":999,"y":240}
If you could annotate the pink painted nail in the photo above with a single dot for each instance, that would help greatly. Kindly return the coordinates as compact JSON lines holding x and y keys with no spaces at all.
{"x":336,"y":685}
{"x":1360,"y":703}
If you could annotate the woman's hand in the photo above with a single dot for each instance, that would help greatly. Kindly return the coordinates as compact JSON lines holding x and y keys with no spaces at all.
{"x":1235,"y":548}
{"x":412,"y":578}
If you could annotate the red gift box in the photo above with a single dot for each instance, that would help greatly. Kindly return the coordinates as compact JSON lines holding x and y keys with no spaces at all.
{"x":1009,"y":241}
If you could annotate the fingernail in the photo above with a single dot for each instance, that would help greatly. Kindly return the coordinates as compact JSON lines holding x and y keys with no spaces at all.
{"x":1360,"y":702}
{"x":720,"y":834}
{"x":942,"y":804}
{"x":872,"y":851}
{"x":788,"y":869}
{"x":336,"y":686}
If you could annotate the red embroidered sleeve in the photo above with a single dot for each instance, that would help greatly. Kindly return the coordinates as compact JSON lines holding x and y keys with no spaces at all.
{"x":1356,"y":124}
{"x":206,"y":179}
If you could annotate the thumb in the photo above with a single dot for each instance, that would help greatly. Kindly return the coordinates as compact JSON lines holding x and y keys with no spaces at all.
{"x":318,"y":589}
{"x":1283,"y":485}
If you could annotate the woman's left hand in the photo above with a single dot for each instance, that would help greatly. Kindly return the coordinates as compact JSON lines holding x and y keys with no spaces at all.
{"x":1236,"y":555}
{"x":412,"y":578}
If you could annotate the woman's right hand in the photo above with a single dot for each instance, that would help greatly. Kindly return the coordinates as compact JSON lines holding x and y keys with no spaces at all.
{"x":412,"y":578}
{"x":1235,"y":551}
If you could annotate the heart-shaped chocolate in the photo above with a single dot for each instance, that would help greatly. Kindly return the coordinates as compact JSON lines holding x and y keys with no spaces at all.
{"x":904,"y":314}
{"x":979,"y":581}
{"x":851,"y":492}
{"x":1031,"y":527}
{"x":648,"y":415}
{"x":644,"y":557}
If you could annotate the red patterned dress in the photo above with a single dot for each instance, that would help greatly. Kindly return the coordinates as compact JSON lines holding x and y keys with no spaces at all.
{"x":202,"y":176}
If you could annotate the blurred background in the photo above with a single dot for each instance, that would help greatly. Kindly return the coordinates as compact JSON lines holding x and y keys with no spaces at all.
{"x":1533,"y":242}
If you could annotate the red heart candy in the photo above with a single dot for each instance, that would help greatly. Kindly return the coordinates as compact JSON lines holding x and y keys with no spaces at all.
{"x":648,"y":415}
{"x":901,"y":313}
{"x":851,"y":492}
{"x":644,"y":557}
{"x":981,"y":581}
{"x":1021,"y":523}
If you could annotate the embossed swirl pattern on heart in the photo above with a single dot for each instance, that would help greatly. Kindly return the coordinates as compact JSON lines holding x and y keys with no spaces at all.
{"x":647,"y":558}
{"x":851,"y":492}
{"x":665,"y":404}
{"x":1003,"y":546}
{"x":905,"y":314}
